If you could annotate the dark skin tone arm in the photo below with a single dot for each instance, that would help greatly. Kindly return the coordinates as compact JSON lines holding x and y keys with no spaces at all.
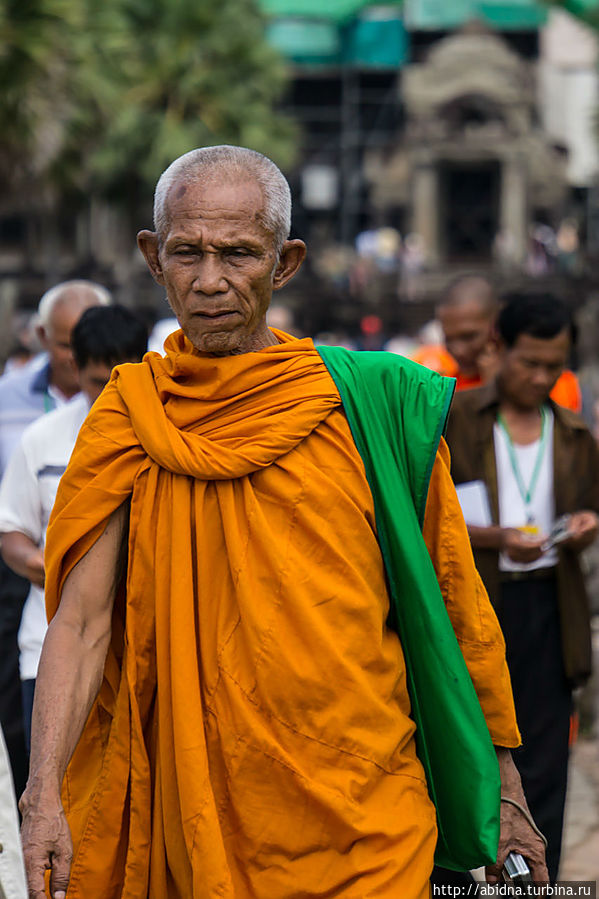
{"x":69,"y":678}
{"x":516,"y":833}
{"x":518,"y":546}
{"x":584,"y":527}
{"x":24,"y":556}
{"x":539,"y":364}
{"x":522,"y":547}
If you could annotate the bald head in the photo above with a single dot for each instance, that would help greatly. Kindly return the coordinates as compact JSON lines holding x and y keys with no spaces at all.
{"x":468,"y":290}
{"x":467,"y":312}
{"x":227,"y":164}
{"x":72,"y":294}
{"x":59,"y":310}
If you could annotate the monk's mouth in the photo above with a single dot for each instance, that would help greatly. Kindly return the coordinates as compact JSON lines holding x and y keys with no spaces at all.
{"x":217,"y":316}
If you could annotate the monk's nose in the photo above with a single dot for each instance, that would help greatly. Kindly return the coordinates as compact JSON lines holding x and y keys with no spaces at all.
{"x":209,"y":277}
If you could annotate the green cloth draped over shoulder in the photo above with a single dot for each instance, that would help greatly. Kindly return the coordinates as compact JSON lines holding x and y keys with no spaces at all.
{"x":397,"y":412}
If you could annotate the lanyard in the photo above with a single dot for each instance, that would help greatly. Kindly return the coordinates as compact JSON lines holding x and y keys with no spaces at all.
{"x":48,"y":402}
{"x":526,"y":494}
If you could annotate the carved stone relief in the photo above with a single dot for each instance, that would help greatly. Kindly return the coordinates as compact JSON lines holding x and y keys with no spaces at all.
{"x":470,"y":104}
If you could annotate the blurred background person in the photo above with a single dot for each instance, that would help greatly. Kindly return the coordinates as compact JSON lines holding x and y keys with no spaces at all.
{"x":159,"y":333}
{"x":51,"y":379}
{"x":102,"y":338}
{"x":25,"y":343}
{"x":431,"y":352}
{"x":467,"y":312}
{"x":520,"y":462}
{"x":46,"y":382}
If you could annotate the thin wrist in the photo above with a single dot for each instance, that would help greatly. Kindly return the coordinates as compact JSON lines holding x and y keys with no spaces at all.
{"x":503,"y":538}
{"x":44,"y":783}
{"x":511,"y":783}
{"x":32,"y":799}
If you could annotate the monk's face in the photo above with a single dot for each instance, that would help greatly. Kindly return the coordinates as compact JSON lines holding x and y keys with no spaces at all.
{"x":218,"y":263}
{"x":468,"y":330}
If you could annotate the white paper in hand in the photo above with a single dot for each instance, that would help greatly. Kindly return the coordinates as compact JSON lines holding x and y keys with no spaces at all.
{"x":474,"y":501}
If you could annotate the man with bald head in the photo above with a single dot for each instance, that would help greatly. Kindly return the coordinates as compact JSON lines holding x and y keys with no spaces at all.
{"x":50,"y":380}
{"x":467,"y":312}
{"x":25,"y":394}
{"x":219,"y":693}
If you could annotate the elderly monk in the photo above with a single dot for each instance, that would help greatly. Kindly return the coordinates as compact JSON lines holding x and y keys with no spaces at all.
{"x":218,"y":673}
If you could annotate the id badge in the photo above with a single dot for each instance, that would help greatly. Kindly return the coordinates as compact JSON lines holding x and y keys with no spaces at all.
{"x":532,"y":529}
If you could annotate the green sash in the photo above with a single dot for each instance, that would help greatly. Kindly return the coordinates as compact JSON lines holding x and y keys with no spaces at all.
{"x":397,"y":412}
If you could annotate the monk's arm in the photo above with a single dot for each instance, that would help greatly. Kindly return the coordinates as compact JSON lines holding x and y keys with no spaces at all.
{"x":68,"y":681}
{"x":516,"y":834}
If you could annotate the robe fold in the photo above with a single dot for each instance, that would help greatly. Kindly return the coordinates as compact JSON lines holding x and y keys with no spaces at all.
{"x":252,"y":736}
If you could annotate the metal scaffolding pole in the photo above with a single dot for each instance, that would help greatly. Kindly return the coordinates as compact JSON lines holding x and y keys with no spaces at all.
{"x":350,"y":143}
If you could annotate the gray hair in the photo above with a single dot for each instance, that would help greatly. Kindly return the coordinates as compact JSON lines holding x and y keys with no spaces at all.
{"x":233,"y":160}
{"x":58,"y":293}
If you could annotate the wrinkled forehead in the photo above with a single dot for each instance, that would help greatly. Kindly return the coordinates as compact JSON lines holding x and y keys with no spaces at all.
{"x":228,"y":195}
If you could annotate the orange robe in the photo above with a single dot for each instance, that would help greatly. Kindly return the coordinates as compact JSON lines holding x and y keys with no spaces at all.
{"x":467,"y":382}
{"x":252,"y":736}
{"x":566,"y":391}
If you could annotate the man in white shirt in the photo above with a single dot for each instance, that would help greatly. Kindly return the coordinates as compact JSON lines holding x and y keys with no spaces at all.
{"x":103,"y":337}
{"x":537,"y":462}
{"x":48,"y":381}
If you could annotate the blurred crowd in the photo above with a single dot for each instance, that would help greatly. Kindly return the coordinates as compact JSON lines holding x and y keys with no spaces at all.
{"x":405,"y":258}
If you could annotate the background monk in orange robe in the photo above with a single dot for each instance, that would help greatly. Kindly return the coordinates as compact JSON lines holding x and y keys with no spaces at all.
{"x":467,"y":312}
{"x":218,"y":675}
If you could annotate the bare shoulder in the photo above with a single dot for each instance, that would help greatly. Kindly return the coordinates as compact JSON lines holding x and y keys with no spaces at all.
{"x":90,"y":587}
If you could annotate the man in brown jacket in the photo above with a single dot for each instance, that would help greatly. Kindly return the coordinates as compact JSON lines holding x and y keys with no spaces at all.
{"x":520,"y":462}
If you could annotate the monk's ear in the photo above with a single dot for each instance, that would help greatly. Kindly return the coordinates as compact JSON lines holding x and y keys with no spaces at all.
{"x":147,"y":241}
{"x":290,"y":260}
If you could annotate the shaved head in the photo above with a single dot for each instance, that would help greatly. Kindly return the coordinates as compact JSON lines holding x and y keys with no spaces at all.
{"x":209,"y":165}
{"x":468,"y":290}
{"x":59,"y":310}
{"x":77,"y":295}
{"x":467,"y":312}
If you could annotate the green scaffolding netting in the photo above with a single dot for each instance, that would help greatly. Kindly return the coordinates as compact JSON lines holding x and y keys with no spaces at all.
{"x":333,"y":10}
{"x":503,"y":15}
{"x":587,"y":10}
